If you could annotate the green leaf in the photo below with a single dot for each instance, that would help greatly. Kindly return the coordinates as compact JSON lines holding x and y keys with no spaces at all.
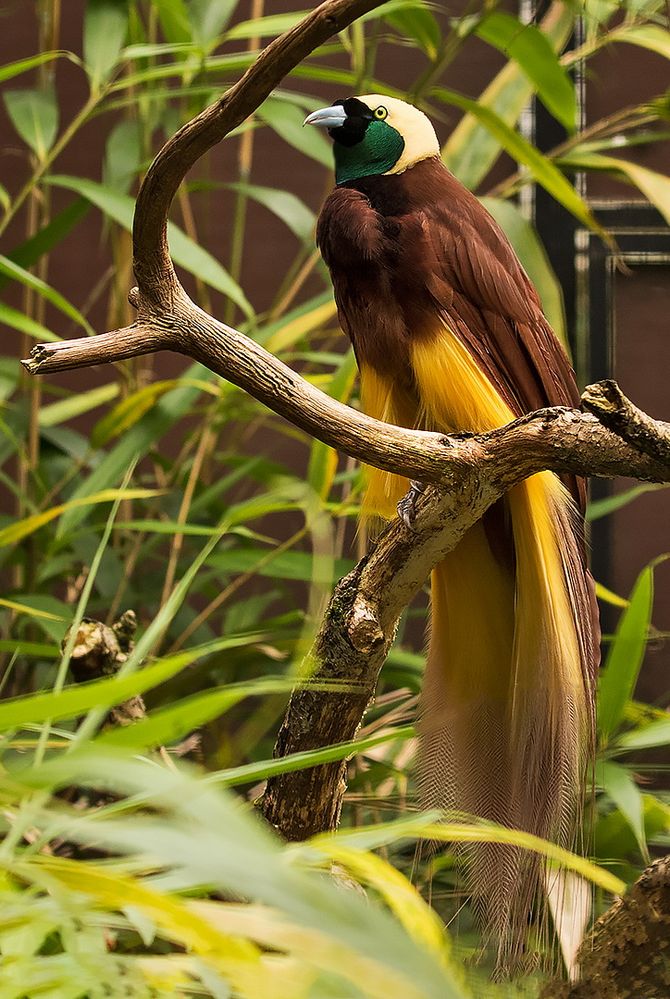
{"x":18,"y":273}
{"x":608,"y":597}
{"x":646,"y":737}
{"x":20,"y":608}
{"x":29,"y":252}
{"x":471,"y":149}
{"x":12,"y":69}
{"x":624,"y":659}
{"x":76,"y":404}
{"x":136,"y":442}
{"x":265,"y":27}
{"x":123,"y":155}
{"x":286,"y":120}
{"x":39,"y":650}
{"x":205,"y":835}
{"x":129,"y":411}
{"x":282,"y":565}
{"x":251,"y":773}
{"x":323,"y":460}
{"x":73,"y":701}
{"x":293,"y":212}
{"x":20,"y":529}
{"x":167,"y":725}
{"x":208,"y":19}
{"x":475,"y":831}
{"x":655,"y":186}
{"x":618,"y":784}
{"x":543,"y":169}
{"x":54,"y":613}
{"x":185,"y":251}
{"x":532,"y":50}
{"x":603,"y":507}
{"x":25,"y":324}
{"x":105,"y":28}
{"x":533,"y":256}
{"x":34,"y":115}
{"x":174,"y":20}
{"x":415,"y":21}
{"x":648,"y":36}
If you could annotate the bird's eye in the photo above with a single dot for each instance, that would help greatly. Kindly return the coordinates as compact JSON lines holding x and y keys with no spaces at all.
{"x":381,"y":113}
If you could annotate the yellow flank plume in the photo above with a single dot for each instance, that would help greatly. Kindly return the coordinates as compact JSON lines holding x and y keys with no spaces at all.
{"x":504,"y":720}
{"x":384,"y":400}
{"x":456,"y":395}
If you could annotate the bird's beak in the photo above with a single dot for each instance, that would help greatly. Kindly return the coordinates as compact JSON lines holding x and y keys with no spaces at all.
{"x":327,"y":117}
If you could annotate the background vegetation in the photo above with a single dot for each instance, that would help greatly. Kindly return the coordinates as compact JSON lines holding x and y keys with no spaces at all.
{"x":121,"y":872}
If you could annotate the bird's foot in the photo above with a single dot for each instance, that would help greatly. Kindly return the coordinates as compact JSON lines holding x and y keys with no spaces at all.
{"x":407,"y":506}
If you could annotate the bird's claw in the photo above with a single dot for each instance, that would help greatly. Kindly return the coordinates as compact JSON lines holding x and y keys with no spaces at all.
{"x":407,"y":506}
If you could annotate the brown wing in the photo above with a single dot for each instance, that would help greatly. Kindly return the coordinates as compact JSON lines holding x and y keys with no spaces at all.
{"x":404,"y":247}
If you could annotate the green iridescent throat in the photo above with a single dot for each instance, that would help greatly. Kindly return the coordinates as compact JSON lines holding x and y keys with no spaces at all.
{"x":378,"y":151}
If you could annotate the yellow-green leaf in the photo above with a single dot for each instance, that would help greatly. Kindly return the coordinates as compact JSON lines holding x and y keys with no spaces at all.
{"x":22,"y":528}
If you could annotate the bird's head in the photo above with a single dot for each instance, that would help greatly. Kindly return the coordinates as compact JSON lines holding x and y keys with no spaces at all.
{"x":375,"y":135}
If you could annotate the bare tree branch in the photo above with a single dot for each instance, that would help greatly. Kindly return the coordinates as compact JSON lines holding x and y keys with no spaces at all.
{"x":617,"y":413}
{"x":469,"y":473}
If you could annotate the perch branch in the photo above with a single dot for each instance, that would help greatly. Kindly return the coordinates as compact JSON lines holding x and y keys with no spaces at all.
{"x":468,"y":473}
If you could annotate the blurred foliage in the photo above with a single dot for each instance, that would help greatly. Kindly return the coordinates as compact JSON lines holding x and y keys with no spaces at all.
{"x":173,"y":497}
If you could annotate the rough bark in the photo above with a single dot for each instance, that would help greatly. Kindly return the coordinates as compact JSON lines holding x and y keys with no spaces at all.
{"x":627,"y":954}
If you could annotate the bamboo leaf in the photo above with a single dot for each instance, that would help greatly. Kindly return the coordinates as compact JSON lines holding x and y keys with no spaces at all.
{"x":472,"y":149}
{"x":75,"y":700}
{"x":20,"y":529}
{"x":294,"y":327}
{"x":76,"y":404}
{"x":20,"y":608}
{"x":293,"y":212}
{"x":12,"y":69}
{"x":413,"y":20}
{"x":167,"y":725}
{"x":29,"y":252}
{"x":603,"y":507}
{"x":239,"y":958}
{"x":265,"y":27}
{"x":34,"y":115}
{"x":208,"y":19}
{"x":543,"y":169}
{"x":185,"y":252}
{"x":655,"y":186}
{"x":646,"y":737}
{"x":286,"y":120}
{"x":174,"y":20}
{"x":135,"y":442}
{"x":532,"y":50}
{"x":619,"y":676}
{"x":25,"y":324}
{"x":129,"y":411}
{"x":251,"y":773}
{"x":402,"y":898}
{"x":18,"y":273}
{"x":477,"y":831}
{"x":647,"y":36}
{"x":609,"y":597}
{"x":618,"y":784}
{"x":105,"y":27}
